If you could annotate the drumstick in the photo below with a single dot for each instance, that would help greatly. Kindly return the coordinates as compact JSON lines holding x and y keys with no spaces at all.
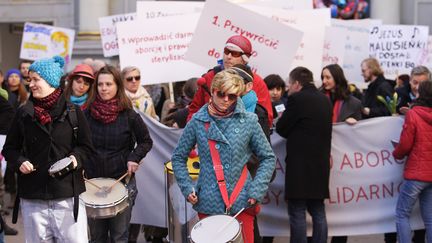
{"x":117,"y":181}
{"x":229,"y":222}
{"x":93,"y":184}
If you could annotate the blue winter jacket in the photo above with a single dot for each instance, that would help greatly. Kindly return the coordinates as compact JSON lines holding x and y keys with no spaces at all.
{"x":237,"y":137}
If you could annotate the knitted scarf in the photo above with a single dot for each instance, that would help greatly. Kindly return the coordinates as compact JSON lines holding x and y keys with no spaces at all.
{"x":44,"y":105}
{"x":105,"y":111}
{"x":79,"y":100}
{"x":218,"y":112}
{"x":337,"y":105}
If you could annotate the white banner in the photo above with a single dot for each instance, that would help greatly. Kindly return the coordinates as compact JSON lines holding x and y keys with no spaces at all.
{"x":356,"y":48}
{"x":42,"y":41}
{"x":334,"y":39}
{"x":270,"y":39}
{"x":398,"y":48}
{"x":364,"y":180}
{"x":107,"y":28}
{"x":157,"y":9}
{"x":157,"y":47}
{"x":284,"y":4}
{"x":426,"y":59}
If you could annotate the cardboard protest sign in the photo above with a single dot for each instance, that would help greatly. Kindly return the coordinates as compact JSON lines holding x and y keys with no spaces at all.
{"x":157,"y":47}
{"x":274,"y":44}
{"x":158,"y":9}
{"x":334,"y":43}
{"x":109,"y":34}
{"x":42,"y":41}
{"x":356,"y":47}
{"x":398,"y":48}
{"x":312,"y":23}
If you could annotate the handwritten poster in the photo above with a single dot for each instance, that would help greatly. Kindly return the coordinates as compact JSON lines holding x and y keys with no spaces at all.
{"x":157,"y":47}
{"x":107,"y":28}
{"x":42,"y":41}
{"x":426,"y":58}
{"x":398,"y":47}
{"x":157,"y":9}
{"x":334,"y":41}
{"x":270,"y":39}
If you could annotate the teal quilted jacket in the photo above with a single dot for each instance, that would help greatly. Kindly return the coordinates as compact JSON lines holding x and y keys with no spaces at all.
{"x":237,"y":137}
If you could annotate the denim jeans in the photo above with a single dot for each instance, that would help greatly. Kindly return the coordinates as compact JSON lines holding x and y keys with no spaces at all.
{"x":410,"y":191}
{"x":297,"y":217}
{"x":115,"y":229}
{"x":53,"y":221}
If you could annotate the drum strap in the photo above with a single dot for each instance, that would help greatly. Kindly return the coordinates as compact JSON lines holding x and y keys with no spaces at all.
{"x":217,"y":165}
{"x":73,"y":119}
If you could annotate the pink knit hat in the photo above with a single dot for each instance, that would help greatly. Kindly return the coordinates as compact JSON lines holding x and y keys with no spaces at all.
{"x":241,"y":44}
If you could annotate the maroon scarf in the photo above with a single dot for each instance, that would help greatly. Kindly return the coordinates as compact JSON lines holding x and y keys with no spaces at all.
{"x":44,"y":105}
{"x":217,"y":112}
{"x":337,"y":105}
{"x":105,"y":111}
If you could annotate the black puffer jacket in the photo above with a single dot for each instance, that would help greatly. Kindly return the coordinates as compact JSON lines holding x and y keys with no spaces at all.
{"x":28,"y":140}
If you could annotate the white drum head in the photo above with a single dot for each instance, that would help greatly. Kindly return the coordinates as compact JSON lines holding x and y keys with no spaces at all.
{"x":60,"y":165}
{"x":100,"y":198}
{"x":208,"y":229}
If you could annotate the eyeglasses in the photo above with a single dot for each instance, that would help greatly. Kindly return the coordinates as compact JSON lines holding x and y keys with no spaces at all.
{"x":222,"y":95}
{"x":233,"y":53}
{"x":137,"y":78}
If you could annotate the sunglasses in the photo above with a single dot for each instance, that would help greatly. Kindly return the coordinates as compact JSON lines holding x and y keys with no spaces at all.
{"x":233,"y":53}
{"x":137,"y":78}
{"x":222,"y":95}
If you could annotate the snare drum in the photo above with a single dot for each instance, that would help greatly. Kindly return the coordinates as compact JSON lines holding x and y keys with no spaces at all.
{"x":208,"y":230}
{"x":101,"y":203}
{"x":61,"y":167}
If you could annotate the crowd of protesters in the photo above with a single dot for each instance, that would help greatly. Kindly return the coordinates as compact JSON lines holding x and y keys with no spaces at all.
{"x":90,"y":117}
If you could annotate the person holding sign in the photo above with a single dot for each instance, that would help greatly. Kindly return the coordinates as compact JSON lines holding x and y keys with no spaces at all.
{"x":238,"y":50}
{"x":43,"y":132}
{"x":306,"y":124}
{"x":417,"y":184}
{"x":226,"y":135}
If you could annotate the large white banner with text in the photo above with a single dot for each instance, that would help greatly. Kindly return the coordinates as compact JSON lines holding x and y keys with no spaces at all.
{"x":364,"y":181}
{"x":108,"y":32}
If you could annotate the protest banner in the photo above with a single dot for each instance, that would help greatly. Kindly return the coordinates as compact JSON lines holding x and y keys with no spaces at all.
{"x":334,"y":39}
{"x":107,"y":28}
{"x":312,"y":23}
{"x":283,"y":4}
{"x":274,"y":44}
{"x":398,"y":48}
{"x":42,"y":41}
{"x":157,"y":48}
{"x":356,"y":48}
{"x":157,"y":9}
{"x":364,"y":180}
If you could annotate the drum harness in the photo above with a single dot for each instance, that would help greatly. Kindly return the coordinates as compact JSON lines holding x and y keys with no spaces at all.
{"x":71,"y":112}
{"x":218,"y":168}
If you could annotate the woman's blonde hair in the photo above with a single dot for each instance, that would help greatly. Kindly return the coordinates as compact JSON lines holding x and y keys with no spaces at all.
{"x":228,"y":81}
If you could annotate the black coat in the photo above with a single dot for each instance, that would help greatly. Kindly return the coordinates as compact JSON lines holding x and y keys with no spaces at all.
{"x":28,"y":140}
{"x":351,"y":108}
{"x":380,"y":86}
{"x":7,"y":113}
{"x":115,"y":144}
{"x":306,"y":123}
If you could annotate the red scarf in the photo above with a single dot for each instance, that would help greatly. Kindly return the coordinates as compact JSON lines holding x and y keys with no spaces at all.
{"x":44,"y":105}
{"x":337,"y":104}
{"x":217,"y":112}
{"x":105,"y":111}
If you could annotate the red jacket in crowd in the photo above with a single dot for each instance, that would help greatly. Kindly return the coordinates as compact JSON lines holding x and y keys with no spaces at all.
{"x":202,"y":96}
{"x":416,"y":143}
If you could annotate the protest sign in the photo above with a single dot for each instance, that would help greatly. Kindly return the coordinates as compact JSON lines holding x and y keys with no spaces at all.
{"x":334,"y":43}
{"x":284,"y":4}
{"x":158,"y":9}
{"x":312,"y":23}
{"x":274,"y":44}
{"x":42,"y":41}
{"x":107,"y":28}
{"x":157,"y":48}
{"x":398,"y":48}
{"x":356,"y":48}
{"x":426,"y":59}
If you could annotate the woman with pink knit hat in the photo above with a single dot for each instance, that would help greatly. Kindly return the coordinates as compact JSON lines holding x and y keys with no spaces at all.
{"x":78,"y":88}
{"x":45,"y":130}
